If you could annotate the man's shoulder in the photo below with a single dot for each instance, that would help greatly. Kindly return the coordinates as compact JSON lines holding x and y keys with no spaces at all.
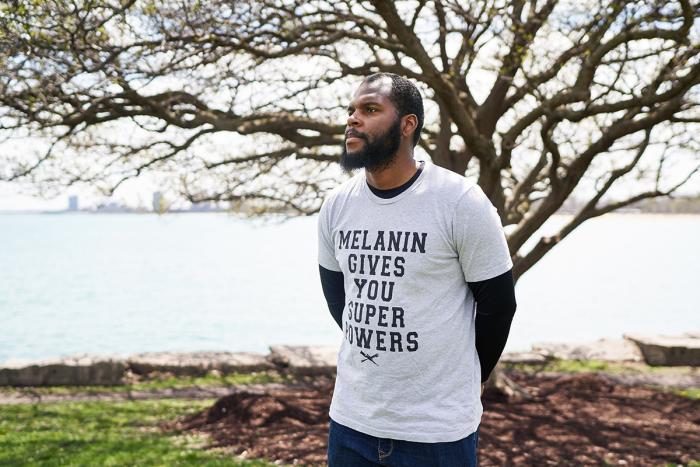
{"x":346,"y":185}
{"x":340,"y":191}
{"x":449,"y":184}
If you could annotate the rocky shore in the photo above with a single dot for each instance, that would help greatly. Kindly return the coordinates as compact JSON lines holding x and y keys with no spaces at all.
{"x":87,"y":370}
{"x":92,"y":370}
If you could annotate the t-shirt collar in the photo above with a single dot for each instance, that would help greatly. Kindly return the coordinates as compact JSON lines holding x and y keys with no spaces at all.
{"x":379,"y":200}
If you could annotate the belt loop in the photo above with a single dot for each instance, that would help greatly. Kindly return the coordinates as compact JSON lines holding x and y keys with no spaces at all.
{"x":383,"y":454}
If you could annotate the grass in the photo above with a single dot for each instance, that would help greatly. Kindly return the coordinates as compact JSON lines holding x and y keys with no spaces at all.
{"x":691,"y":393}
{"x":579,"y":366}
{"x":104,"y":433}
{"x":571,"y":366}
{"x":167,"y":382}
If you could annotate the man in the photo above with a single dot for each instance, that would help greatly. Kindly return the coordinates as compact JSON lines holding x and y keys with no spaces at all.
{"x":406,"y":250}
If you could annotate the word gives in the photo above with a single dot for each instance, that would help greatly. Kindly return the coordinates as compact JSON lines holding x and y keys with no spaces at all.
{"x":364,"y":338}
{"x":369,"y":264}
{"x":393,"y":241}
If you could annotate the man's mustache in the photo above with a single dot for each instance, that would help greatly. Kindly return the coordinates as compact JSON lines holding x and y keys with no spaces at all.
{"x":354,"y":134}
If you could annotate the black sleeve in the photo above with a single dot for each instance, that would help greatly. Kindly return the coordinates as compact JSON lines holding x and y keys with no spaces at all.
{"x":495,"y":307}
{"x":334,"y":290}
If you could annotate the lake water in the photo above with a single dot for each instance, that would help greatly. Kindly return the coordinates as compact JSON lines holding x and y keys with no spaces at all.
{"x":126,"y":283}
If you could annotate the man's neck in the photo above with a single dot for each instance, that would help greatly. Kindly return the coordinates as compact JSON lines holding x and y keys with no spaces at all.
{"x":395,"y":175}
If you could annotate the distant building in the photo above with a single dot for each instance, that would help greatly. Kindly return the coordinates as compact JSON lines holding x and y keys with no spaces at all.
{"x":158,"y":202}
{"x":202,"y":206}
{"x":113,"y":207}
{"x":73,"y":203}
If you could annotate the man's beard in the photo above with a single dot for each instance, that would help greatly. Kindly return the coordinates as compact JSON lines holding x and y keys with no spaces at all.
{"x":375,"y":155}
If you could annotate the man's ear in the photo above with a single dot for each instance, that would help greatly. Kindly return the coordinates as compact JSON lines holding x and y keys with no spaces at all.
{"x":410,"y":123}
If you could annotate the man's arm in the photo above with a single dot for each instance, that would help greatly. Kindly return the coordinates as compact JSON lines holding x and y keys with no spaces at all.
{"x":333,"y":286}
{"x":495,"y":307}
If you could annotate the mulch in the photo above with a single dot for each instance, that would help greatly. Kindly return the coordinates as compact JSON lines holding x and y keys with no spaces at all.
{"x":571,"y":419}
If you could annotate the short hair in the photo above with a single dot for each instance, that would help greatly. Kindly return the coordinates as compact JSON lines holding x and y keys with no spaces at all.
{"x":405,"y":97}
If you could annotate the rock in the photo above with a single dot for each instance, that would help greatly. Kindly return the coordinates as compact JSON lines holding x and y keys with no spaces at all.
{"x":197,"y":363}
{"x":305,"y":360}
{"x":79,"y":370}
{"x":603,"y":349}
{"x":668,"y":350}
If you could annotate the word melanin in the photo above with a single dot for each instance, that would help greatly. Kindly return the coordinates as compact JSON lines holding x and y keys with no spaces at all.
{"x":384,"y":241}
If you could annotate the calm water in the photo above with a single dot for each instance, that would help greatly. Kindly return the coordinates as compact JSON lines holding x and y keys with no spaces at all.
{"x":126,"y":283}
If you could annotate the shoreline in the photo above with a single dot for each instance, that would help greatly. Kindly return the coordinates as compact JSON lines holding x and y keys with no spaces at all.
{"x":100,"y":370}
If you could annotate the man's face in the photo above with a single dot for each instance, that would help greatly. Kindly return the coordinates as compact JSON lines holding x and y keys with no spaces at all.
{"x":373,"y":129}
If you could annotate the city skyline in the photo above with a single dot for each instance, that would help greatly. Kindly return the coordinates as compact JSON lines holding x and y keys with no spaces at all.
{"x":161,"y":203}
{"x":90,"y":203}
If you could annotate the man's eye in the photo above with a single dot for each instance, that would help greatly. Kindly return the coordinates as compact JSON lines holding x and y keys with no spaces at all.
{"x":371,"y":109}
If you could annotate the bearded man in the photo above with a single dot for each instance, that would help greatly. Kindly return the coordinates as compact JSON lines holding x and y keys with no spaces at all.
{"x":416,"y":271}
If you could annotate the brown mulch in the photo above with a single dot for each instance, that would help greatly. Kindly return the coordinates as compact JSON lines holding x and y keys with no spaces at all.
{"x":579,"y":419}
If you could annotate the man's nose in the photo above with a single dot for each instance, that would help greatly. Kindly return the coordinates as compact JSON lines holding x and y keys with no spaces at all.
{"x":352,"y":120}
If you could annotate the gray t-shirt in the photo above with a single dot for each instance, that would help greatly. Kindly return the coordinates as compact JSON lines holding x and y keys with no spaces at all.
{"x":408,"y":367}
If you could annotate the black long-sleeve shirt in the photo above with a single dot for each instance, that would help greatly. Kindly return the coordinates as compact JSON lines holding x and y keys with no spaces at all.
{"x":495,"y":308}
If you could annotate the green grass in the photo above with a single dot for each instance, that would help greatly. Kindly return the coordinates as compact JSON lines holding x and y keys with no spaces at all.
{"x":176,"y":382}
{"x":579,"y":366}
{"x":572,"y":366}
{"x":692,"y":393}
{"x":168,"y":382}
{"x":105,"y":434}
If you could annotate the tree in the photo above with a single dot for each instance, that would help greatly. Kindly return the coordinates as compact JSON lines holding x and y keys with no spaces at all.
{"x":539,"y":101}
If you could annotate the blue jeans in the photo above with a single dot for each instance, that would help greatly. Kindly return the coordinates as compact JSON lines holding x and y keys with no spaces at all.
{"x":351,"y":448}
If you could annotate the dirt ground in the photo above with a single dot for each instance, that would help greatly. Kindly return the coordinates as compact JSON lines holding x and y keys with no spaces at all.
{"x":572,"y":419}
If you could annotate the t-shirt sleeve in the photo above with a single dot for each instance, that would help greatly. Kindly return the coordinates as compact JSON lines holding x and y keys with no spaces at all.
{"x":326,"y":253}
{"x":479,"y":237}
